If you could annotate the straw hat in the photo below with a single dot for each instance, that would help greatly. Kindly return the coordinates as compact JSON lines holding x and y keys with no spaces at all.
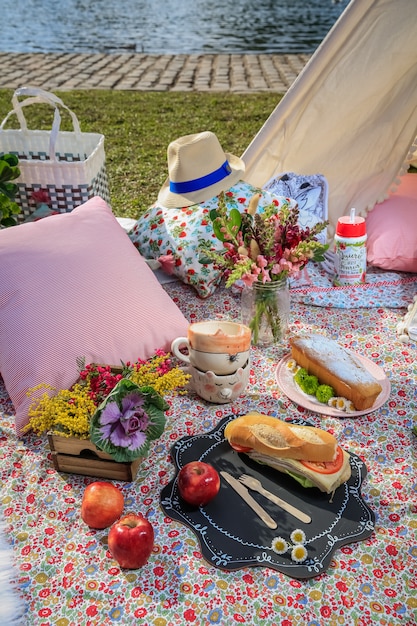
{"x":198,"y":170}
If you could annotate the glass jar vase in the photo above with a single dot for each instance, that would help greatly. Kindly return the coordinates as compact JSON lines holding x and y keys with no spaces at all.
{"x":266,"y":309}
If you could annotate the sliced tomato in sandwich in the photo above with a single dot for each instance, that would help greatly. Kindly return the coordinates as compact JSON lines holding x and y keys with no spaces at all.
{"x":326,"y":467}
{"x":239,"y":448}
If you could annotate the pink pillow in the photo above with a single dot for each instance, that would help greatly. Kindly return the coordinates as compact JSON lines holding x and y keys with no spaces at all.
{"x":392,"y":229}
{"x":73,"y":285}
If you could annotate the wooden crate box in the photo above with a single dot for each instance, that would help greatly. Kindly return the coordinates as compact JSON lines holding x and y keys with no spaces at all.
{"x":81,"y":456}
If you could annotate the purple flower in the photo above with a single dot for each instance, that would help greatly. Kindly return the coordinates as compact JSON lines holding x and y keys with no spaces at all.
{"x":125,"y":427}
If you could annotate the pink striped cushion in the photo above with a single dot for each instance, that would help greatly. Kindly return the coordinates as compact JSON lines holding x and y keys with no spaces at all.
{"x":73,"y":285}
{"x":392,"y":229}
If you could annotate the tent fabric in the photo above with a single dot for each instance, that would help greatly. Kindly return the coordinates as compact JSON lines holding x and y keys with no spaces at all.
{"x":351,"y":115}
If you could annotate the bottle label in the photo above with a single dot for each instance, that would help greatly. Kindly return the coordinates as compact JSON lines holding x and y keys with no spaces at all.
{"x":350,"y":262}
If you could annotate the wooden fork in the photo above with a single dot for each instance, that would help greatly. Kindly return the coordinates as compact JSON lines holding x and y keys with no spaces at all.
{"x":256,"y":485}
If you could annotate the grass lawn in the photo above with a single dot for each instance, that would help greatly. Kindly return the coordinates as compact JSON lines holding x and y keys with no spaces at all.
{"x":138,"y":126}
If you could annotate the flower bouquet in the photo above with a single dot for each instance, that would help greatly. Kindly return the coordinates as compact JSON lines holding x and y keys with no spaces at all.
{"x":262,"y":248}
{"x":120,"y":410}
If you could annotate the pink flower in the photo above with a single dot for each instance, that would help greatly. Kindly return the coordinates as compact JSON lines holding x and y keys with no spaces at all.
{"x":167,"y":262}
{"x":262,"y":265}
{"x":249,"y":279}
{"x":40,"y":197}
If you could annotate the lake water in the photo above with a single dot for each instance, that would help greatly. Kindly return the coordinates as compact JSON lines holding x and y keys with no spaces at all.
{"x":166,"y":26}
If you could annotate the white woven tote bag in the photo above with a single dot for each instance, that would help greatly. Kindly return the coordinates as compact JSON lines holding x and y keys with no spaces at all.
{"x":69,"y":166}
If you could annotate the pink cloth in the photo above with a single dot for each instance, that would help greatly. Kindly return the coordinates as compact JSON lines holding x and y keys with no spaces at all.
{"x":73,"y":285}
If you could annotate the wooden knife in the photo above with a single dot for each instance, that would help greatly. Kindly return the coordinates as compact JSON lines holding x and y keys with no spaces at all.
{"x":254,"y":505}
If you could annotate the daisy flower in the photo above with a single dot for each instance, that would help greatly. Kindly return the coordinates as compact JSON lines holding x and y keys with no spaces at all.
{"x":298,"y":536}
{"x":279,"y":545}
{"x":337,"y":402}
{"x":350,"y":408}
{"x":293,"y":366}
{"x":342,"y":404}
{"x":299,"y":553}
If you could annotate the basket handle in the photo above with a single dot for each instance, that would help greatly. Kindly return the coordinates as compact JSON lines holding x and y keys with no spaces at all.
{"x":36,"y":95}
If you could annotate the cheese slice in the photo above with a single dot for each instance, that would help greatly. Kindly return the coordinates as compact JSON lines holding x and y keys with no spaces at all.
{"x":325,"y":482}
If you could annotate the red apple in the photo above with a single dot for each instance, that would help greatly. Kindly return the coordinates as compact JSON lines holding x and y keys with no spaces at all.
{"x":102,"y":504}
{"x":198,"y":483}
{"x":131,"y":540}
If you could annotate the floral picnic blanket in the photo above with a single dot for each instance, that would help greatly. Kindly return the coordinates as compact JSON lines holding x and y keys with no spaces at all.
{"x":66,"y":576}
{"x":382,"y":289}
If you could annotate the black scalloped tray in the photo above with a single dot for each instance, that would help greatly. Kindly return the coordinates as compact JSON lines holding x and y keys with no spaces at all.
{"x":232,"y":537}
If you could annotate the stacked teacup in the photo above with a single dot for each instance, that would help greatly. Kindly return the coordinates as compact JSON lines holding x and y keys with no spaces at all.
{"x":218,"y":354}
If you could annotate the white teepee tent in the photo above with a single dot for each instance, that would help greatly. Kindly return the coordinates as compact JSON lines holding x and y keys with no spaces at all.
{"x":351,"y":115}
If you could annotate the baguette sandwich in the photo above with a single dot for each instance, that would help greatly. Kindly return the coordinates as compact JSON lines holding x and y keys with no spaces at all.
{"x":337,"y":367}
{"x":310,"y":455}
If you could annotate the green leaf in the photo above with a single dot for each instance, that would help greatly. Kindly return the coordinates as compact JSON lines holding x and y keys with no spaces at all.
{"x":303,"y":480}
{"x":235,"y":219}
{"x":217,"y":229}
{"x":319,"y":253}
{"x":205,"y":260}
{"x":226,"y":227}
{"x":80,"y":362}
{"x":10,"y":189}
{"x":154,"y":397}
{"x":8,"y":208}
{"x":7,"y":171}
{"x":11,"y":159}
{"x":8,"y":221}
{"x":157,"y":424}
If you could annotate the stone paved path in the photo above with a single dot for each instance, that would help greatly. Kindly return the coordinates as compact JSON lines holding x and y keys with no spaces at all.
{"x":239,"y":73}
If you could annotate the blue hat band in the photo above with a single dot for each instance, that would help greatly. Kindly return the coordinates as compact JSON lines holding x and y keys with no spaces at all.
{"x":204,"y":181}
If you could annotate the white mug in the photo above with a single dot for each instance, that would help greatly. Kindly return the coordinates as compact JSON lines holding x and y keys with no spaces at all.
{"x":219,"y":389}
{"x":218,"y":346}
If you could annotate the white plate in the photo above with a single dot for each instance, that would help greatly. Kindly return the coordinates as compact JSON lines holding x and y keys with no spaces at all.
{"x":285,"y":380}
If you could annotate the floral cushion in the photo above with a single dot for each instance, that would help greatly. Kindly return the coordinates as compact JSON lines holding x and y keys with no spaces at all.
{"x":180,"y":233}
{"x":73,"y":285}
